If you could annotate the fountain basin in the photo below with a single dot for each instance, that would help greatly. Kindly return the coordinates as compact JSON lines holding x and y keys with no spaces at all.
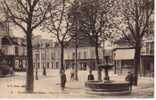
{"x":99,"y":86}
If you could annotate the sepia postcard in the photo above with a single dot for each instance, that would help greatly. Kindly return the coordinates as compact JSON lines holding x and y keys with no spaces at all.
{"x":77,"y":49}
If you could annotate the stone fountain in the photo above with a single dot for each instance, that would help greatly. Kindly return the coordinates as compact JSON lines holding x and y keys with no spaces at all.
{"x":106,"y":68}
{"x":107,"y":85}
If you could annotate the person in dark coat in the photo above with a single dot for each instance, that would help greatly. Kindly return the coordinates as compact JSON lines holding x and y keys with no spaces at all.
{"x":90,"y":76}
{"x":130,"y":79}
{"x":63,"y":80}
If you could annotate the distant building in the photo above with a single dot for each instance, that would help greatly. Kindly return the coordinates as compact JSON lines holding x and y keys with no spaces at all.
{"x":123,"y":56}
{"x":14,"y":50}
{"x":86,"y":57}
{"x":45,"y":54}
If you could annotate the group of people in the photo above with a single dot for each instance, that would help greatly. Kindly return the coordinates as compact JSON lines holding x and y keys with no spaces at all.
{"x":64,"y":79}
{"x":129,"y":78}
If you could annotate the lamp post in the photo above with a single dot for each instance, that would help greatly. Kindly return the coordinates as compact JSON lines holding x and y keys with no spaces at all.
{"x":36,"y":69}
{"x":44,"y":67}
{"x":36,"y":76}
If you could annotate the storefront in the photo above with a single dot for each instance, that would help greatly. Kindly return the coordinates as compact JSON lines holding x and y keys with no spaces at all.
{"x":124,"y":62}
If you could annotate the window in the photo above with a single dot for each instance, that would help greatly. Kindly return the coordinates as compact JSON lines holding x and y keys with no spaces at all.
{"x":152,"y":48}
{"x":147,"y":47}
{"x":51,"y":64}
{"x":4,"y":50}
{"x":92,"y":54}
{"x":38,"y":65}
{"x":42,"y":56}
{"x":79,"y":55}
{"x":73,"y":55}
{"x":85,"y":54}
{"x":53,"y":56}
{"x":16,"y":50}
{"x":37,"y":56}
{"x":56,"y":64}
{"x":47,"y":64}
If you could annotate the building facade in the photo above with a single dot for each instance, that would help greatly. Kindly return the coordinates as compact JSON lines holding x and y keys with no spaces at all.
{"x":14,"y":50}
{"x":123,"y":56}
{"x":86,"y":57}
{"x":45,"y":53}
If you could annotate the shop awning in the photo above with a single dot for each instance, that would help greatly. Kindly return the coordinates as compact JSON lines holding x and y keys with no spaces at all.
{"x":124,"y":54}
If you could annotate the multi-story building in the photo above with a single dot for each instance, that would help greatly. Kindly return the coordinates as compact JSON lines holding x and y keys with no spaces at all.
{"x":45,"y":53}
{"x":86,"y":57}
{"x":14,"y":50}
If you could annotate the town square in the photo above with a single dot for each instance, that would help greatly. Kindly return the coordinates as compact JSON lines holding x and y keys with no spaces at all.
{"x":77,"y":49}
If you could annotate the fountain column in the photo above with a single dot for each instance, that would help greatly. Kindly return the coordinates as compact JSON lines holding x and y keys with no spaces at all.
{"x":106,"y":78}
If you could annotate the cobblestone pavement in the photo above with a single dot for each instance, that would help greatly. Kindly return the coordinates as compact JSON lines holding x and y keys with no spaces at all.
{"x":49,"y":87}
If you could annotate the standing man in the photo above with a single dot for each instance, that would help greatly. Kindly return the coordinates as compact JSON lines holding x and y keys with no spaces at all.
{"x":130,"y":79}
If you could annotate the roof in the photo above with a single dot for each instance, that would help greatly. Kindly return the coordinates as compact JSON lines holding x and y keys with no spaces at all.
{"x":124,"y":54}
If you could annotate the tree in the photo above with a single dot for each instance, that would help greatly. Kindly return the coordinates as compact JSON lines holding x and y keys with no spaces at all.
{"x":136,"y":17}
{"x":28,"y":15}
{"x":59,"y":27}
{"x":74,"y":31}
{"x":94,"y":21}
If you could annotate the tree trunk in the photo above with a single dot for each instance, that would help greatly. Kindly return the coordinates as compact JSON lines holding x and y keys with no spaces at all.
{"x":103,"y":49}
{"x":30,"y":70}
{"x":136,"y":63}
{"x":98,"y":62}
{"x":62,"y":70}
{"x":76,"y":65}
{"x":62,"y":58}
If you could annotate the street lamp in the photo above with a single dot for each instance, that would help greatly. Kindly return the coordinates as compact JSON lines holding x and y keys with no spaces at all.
{"x":36,"y":69}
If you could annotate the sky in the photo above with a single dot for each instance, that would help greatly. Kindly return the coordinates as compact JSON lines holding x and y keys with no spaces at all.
{"x":17,"y":32}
